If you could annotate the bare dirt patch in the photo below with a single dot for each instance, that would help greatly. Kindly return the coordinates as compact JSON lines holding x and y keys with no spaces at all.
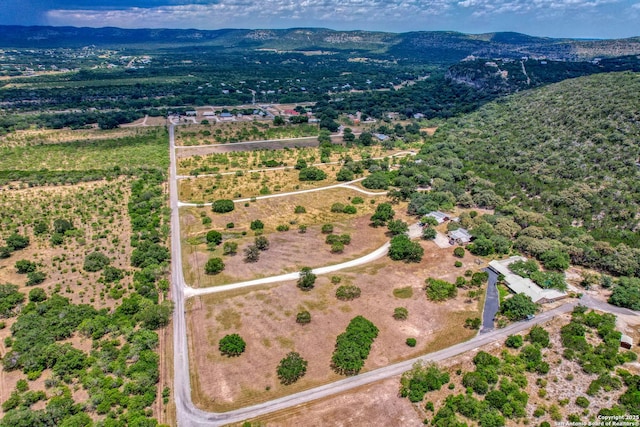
{"x":374,"y":404}
{"x":265,"y":318}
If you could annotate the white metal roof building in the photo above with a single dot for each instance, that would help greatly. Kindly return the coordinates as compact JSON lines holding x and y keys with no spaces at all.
{"x":521,"y":285}
{"x":439,"y":216}
{"x":460,"y":236}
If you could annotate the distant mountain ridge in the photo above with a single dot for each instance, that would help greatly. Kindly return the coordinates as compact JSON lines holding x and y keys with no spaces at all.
{"x":440,"y":46}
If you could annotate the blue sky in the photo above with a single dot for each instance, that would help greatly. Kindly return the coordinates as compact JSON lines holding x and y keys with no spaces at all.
{"x":552,"y":18}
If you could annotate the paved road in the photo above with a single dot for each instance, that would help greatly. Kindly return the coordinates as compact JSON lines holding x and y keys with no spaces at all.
{"x":491,"y":302}
{"x":188,"y":415}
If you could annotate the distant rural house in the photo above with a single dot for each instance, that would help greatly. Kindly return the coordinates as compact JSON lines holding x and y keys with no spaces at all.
{"x":439,"y":216}
{"x":460,"y":236}
{"x":209,"y":114}
{"x":626,"y":341}
{"x":226,"y":116}
{"x":381,"y":136}
{"x":291,"y":113}
{"x":191,"y":113}
{"x":521,"y":285}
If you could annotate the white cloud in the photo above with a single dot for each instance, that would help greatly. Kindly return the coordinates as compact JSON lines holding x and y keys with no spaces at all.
{"x":541,"y":17}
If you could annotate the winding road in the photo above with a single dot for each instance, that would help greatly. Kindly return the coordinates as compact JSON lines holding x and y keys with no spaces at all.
{"x":186,"y":412}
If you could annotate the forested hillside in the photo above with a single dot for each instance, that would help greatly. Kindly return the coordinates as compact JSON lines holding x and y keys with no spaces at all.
{"x":560,"y":164}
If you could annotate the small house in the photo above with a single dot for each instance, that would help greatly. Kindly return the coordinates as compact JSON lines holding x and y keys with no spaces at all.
{"x":460,"y":236}
{"x":439,"y":216}
{"x":626,"y":341}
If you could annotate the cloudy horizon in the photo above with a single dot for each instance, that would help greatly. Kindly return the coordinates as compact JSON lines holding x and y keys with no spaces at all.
{"x":550,"y":18}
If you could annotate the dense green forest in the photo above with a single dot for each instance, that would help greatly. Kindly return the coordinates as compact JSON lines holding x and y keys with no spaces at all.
{"x":559,"y":165}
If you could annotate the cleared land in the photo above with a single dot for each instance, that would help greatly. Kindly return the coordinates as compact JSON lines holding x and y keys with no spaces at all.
{"x":380,"y":404}
{"x":139,"y":148}
{"x":231,"y":161}
{"x":288,"y":250}
{"x":265,"y":318}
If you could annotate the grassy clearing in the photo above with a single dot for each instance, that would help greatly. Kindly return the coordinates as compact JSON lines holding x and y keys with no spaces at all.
{"x":289,"y":249}
{"x":406,"y":292}
{"x":253,"y":184}
{"x":247,"y":160}
{"x":269,"y":328}
{"x":147,"y":148}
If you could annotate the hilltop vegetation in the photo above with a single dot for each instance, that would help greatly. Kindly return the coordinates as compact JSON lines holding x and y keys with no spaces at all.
{"x":559,"y":166}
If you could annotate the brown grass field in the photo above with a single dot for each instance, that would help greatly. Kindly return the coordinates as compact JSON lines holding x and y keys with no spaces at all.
{"x":289,"y":250}
{"x":249,"y":160}
{"x":265,"y":318}
{"x":380,"y":404}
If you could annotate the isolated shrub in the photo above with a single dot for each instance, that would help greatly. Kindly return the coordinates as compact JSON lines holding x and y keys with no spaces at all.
{"x":384,"y":212}
{"x":5,"y":252}
{"x":411,"y":342}
{"x":299,"y":210}
{"x":302,"y":229}
{"x":61,"y":225}
{"x":232,"y":345}
{"x":582,"y":402}
{"x":400,"y":313}
{"x":357,"y":200}
{"x":303,"y":317}
{"x":345,"y":174}
{"x":282,"y":227}
{"x":57,"y":239}
{"x":37,"y":295}
{"x":473,"y":322}
{"x":459,"y":252}
{"x":337,"y":247}
{"x":256,"y":225}
{"x":214,"y":237}
{"x":307,"y":279}
{"x":223,"y":206}
{"x":95,"y":261}
{"x":16,"y":242}
{"x":206,"y":220}
{"x":440,"y":290}
{"x":35,"y":278}
{"x":337,"y":208}
{"x":261,"y":242}
{"x":300,"y":164}
{"x":311,"y":173}
{"x":397,"y":226}
{"x":347,"y":292}
{"x":230,"y":225}
{"x":214,"y":266}
{"x":350,"y":209}
{"x":291,"y":368}
{"x":25,"y":266}
{"x":345,"y":239}
{"x":251,"y":253}
{"x":353,"y":346}
{"x":230,"y":248}
{"x":402,"y":248}
{"x":457,"y":264}
{"x":327,"y":228}
{"x":40,"y":227}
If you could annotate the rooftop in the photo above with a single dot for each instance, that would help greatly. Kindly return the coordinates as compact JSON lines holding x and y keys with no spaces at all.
{"x":521,"y":285}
